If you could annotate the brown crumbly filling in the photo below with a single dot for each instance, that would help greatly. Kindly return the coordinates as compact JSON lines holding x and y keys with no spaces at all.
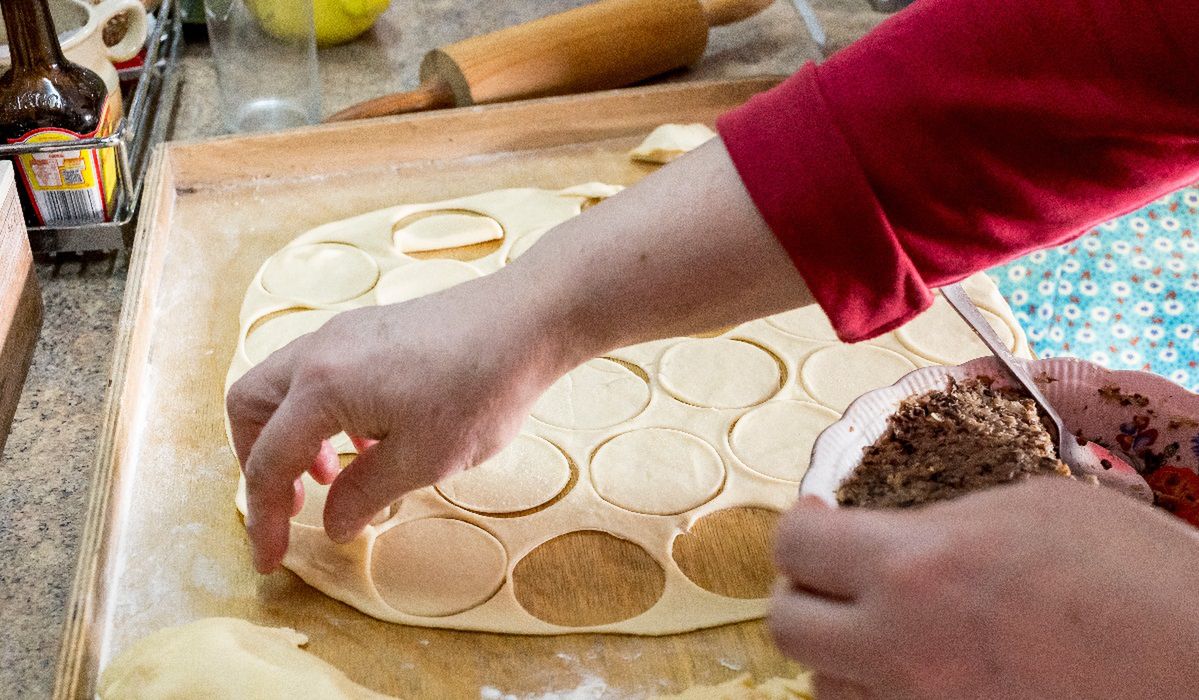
{"x":949,"y":442}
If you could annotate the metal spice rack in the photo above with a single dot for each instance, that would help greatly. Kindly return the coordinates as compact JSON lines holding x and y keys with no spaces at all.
{"x":143,"y":127}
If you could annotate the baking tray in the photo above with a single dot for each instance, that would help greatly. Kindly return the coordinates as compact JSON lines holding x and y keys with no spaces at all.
{"x":162,"y":543}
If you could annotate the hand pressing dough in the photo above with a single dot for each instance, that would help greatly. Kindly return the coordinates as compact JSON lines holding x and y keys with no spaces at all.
{"x":670,"y":141}
{"x":223,"y":658}
{"x":633,"y":448}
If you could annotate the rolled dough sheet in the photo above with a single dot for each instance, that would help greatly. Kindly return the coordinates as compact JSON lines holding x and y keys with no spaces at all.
{"x":634,"y":448}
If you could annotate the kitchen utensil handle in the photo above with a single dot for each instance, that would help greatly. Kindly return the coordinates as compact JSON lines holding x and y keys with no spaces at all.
{"x":722,"y":12}
{"x":434,"y":95}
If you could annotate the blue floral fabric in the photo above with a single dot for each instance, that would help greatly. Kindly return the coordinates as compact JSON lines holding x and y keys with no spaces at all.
{"x":1125,"y":295}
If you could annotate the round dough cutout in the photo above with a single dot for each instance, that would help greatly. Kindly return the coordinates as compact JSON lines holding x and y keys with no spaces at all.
{"x":600,"y":393}
{"x":320,"y":273}
{"x":776,"y":438}
{"x":526,"y":474}
{"x":420,"y":278}
{"x":729,"y":552}
{"x":837,"y":375}
{"x":940,"y":335}
{"x":557,"y":583}
{"x":437,"y":566}
{"x":273,"y":333}
{"x":808,"y":322}
{"x":438,"y":230}
{"x":719,"y":373}
{"x":657,"y":471}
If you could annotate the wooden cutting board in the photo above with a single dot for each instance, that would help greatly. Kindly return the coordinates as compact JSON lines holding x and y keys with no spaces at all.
{"x":162,"y":542}
{"x":20,"y":301}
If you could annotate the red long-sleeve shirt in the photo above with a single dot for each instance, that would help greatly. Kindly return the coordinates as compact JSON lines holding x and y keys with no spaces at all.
{"x":961,"y":134}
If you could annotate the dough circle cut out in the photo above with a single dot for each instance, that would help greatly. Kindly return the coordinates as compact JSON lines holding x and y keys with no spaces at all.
{"x":776,"y":438}
{"x":940,"y":335}
{"x":524,"y":475}
{"x":320,"y":273}
{"x":422,"y":277}
{"x":276,"y":332}
{"x":805,"y":322}
{"x":657,"y":471}
{"x":437,"y":566}
{"x":599,"y":393}
{"x":439,"y":230}
{"x":719,"y":373}
{"x":837,"y":375}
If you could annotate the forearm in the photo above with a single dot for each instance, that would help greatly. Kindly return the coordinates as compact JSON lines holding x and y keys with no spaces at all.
{"x":684,"y":251}
{"x":959,"y":135}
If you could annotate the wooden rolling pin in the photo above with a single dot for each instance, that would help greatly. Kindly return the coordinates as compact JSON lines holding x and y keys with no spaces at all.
{"x":604,"y":45}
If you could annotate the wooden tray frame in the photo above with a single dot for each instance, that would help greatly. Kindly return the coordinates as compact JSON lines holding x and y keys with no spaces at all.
{"x":185,"y":167}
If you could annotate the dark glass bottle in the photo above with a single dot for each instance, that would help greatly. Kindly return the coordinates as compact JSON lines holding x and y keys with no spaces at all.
{"x":45,"y":98}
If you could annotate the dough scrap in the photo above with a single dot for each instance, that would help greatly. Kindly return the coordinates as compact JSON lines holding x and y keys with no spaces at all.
{"x":422,"y":277}
{"x":719,"y":373}
{"x":600,"y":393}
{"x":670,"y":141}
{"x":776,"y":438}
{"x":224,"y":658}
{"x":745,"y":688}
{"x":447,"y":229}
{"x":320,"y":273}
{"x":526,"y":474}
{"x":603,"y":406}
{"x":657,"y":471}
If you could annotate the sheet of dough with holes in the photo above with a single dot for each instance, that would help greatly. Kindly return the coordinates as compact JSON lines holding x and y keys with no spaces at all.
{"x":640,"y":464}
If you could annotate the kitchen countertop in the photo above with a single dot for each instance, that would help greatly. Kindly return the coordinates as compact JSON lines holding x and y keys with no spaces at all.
{"x":46,"y":466}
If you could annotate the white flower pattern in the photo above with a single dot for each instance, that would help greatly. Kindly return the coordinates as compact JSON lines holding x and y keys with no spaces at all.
{"x":1125,"y":295}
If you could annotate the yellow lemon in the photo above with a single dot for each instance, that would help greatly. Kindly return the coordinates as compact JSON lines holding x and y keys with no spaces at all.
{"x":337,"y":21}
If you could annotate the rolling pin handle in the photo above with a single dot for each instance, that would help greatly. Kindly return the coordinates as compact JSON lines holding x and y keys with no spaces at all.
{"x":434,"y":94}
{"x":722,"y":12}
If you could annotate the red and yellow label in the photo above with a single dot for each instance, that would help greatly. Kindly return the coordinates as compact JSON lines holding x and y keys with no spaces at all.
{"x":72,"y":187}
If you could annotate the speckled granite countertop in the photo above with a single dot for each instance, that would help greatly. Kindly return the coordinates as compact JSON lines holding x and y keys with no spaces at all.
{"x":46,"y":466}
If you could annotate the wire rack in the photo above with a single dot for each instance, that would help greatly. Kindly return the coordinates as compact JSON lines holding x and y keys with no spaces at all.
{"x":143,"y":127}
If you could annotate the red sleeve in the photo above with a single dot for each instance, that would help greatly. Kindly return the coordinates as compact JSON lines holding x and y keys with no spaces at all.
{"x":960,"y":134}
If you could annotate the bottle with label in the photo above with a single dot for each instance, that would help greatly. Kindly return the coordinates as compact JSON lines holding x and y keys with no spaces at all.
{"x":44,"y":98}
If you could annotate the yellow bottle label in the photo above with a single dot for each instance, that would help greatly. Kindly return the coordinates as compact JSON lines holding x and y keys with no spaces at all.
{"x":72,"y":187}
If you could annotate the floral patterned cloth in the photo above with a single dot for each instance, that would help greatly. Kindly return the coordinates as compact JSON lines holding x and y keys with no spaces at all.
{"x":1125,"y":295}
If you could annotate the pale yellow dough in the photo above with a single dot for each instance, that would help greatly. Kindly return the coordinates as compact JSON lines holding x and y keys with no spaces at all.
{"x":223,"y":658}
{"x":656,"y":471}
{"x":638,"y":445}
{"x":745,"y":688}
{"x":670,"y":141}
